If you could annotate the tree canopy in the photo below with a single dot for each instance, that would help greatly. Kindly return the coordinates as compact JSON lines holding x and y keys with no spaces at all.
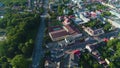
{"x":19,"y":62}
{"x":21,"y":30}
{"x":14,"y":2}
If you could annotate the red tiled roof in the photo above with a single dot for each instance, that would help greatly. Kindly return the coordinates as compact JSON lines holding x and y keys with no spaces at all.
{"x":59,"y":33}
{"x":105,"y":40}
{"x":72,"y":30}
{"x":51,"y":29}
{"x":66,"y":22}
{"x":76,"y":51}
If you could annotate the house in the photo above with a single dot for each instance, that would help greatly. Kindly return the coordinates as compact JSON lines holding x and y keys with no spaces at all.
{"x":86,"y":14}
{"x":57,"y":33}
{"x":96,"y":54}
{"x":105,"y":40}
{"x":93,"y":15}
{"x":66,"y":21}
{"x":85,"y":19}
{"x":76,"y":52}
{"x":115,"y":21}
{"x":76,"y":1}
{"x":93,"y":32}
{"x":80,"y":18}
{"x":67,"y":41}
{"x":50,"y":64}
{"x":77,"y":21}
{"x":73,"y":61}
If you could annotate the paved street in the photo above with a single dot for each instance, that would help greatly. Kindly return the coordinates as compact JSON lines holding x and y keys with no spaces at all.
{"x":78,"y":45}
{"x":38,"y":51}
{"x":110,"y":34}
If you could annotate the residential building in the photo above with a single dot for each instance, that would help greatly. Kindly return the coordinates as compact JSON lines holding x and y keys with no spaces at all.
{"x":73,"y":60}
{"x":93,"y":32}
{"x":80,"y":18}
{"x":76,"y":1}
{"x":67,"y":41}
{"x":50,"y":64}
{"x":93,"y":15}
{"x":66,"y":21}
{"x":90,"y":47}
{"x":96,"y":55}
{"x":115,"y":21}
{"x":78,"y":21}
{"x":83,"y":17}
{"x":70,"y":40}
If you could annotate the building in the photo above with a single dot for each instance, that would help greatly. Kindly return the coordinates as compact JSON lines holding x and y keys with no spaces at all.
{"x":57,"y":33}
{"x":61,"y":32}
{"x":93,"y":32}
{"x":66,"y":21}
{"x":114,"y":3}
{"x":90,"y":48}
{"x":93,"y":15}
{"x":78,"y":21}
{"x":73,"y":60}
{"x":68,"y":41}
{"x":115,"y":21}
{"x":85,"y":19}
{"x":72,"y":30}
{"x":115,"y":12}
{"x":95,"y":53}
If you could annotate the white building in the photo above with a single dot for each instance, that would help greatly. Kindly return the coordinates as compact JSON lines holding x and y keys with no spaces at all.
{"x":116,"y":12}
{"x":90,"y":48}
{"x":115,"y":21}
{"x":84,"y":18}
{"x":76,"y":1}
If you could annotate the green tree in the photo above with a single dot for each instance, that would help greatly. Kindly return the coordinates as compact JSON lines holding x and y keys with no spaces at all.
{"x":107,"y":27}
{"x":112,"y":65}
{"x":28,"y":48}
{"x":3,"y":49}
{"x":5,"y":65}
{"x":119,"y":34}
{"x":19,"y":62}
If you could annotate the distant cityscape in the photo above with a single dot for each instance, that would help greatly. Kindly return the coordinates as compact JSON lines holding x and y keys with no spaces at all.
{"x":60,"y":34}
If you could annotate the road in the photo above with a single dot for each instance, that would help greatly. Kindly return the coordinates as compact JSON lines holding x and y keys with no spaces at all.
{"x":79,"y":45}
{"x":110,"y":34}
{"x":38,"y":51}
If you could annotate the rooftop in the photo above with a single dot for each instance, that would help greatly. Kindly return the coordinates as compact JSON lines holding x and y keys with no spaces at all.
{"x":72,"y":29}
{"x":115,"y":18}
{"x":57,"y":31}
